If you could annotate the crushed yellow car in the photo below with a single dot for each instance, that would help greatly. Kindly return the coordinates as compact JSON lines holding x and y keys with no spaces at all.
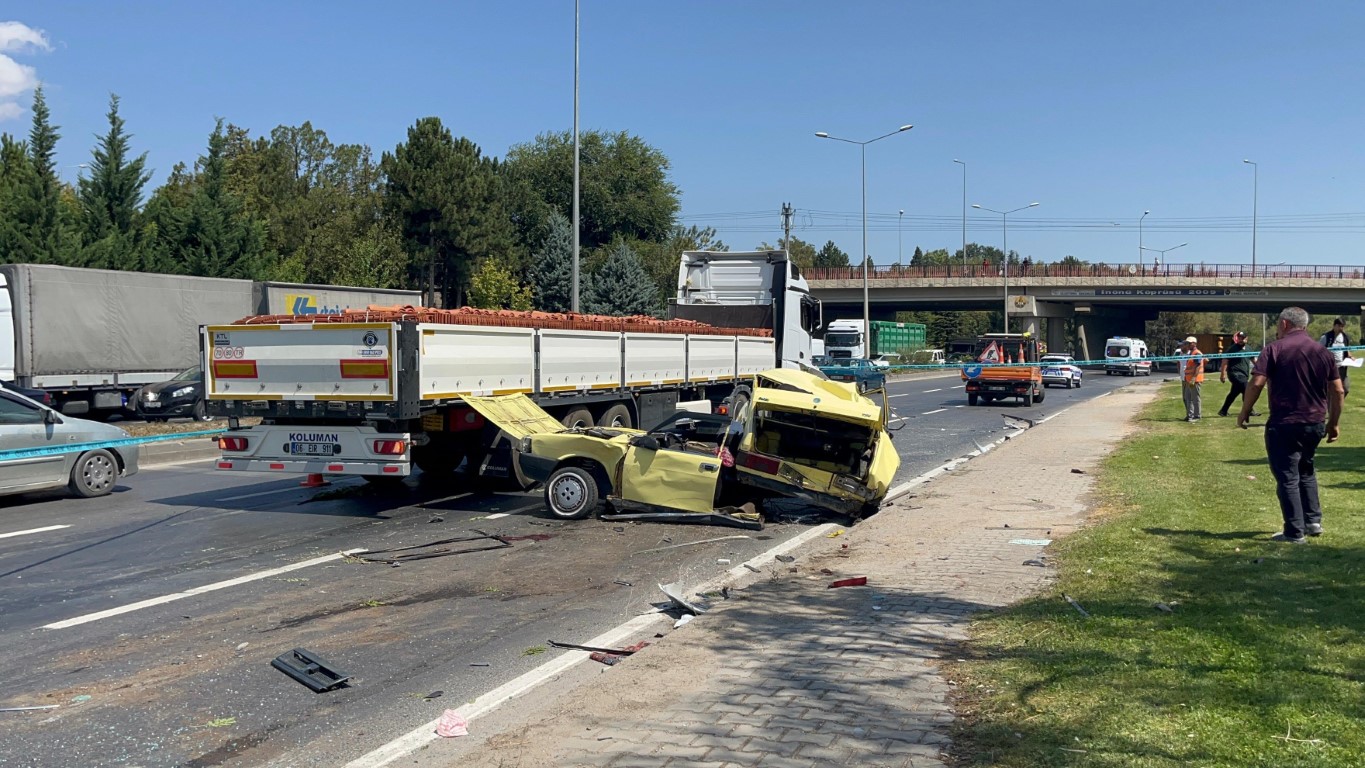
{"x":799,"y":436}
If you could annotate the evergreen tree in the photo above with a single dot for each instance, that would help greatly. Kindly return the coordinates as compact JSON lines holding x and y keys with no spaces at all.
{"x":620,"y":286}
{"x":17,"y":209}
{"x":552,"y":267}
{"x":111,"y":197}
{"x":918,"y":258}
{"x":830,"y":255}
{"x":44,"y":189}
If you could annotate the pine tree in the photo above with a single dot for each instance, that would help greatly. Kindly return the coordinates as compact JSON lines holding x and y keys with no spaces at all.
{"x":44,"y":189}
{"x":111,"y":197}
{"x":621,"y":286}
{"x":829,"y":255}
{"x":552,"y":267}
{"x":16,"y":204}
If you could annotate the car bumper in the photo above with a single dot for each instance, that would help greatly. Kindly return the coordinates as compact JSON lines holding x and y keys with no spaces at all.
{"x":129,"y":455}
{"x":534,"y":469}
{"x":165,"y":409}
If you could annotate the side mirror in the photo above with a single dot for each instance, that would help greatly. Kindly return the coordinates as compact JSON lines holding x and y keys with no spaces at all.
{"x":50,"y":416}
{"x":647,"y":442}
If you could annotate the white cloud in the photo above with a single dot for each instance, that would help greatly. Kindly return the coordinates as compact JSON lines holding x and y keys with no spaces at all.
{"x":16,"y":78}
{"x":17,"y":38}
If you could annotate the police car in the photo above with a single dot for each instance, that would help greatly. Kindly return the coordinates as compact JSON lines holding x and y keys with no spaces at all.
{"x":1060,"y":369}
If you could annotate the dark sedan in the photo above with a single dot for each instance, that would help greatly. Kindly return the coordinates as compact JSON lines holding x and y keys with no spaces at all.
{"x":36,"y":395}
{"x":181,"y":396}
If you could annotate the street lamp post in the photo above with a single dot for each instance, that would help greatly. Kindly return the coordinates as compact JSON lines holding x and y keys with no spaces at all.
{"x":964,"y":215}
{"x":1140,"y":248}
{"x":573,"y":301}
{"x":1163,"y":251}
{"x":862,"y":146}
{"x":1005,"y":257}
{"x":1255,"y":196}
{"x":900,"y":217}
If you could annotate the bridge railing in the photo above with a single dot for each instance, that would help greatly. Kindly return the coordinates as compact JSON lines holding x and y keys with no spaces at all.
{"x":1058,"y":270}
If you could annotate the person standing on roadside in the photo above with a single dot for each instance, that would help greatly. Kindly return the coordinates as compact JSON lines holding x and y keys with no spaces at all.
{"x":1306,"y":396}
{"x":1192,"y":368}
{"x":1337,"y":341}
{"x":1237,"y":370}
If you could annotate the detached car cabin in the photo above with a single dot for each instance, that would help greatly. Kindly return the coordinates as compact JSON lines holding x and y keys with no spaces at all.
{"x":798,"y":436}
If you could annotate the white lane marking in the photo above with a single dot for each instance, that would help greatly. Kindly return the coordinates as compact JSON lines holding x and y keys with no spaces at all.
{"x":930,"y":413}
{"x":89,"y":617}
{"x":927,"y":391}
{"x":33,"y":530}
{"x":259,"y":493}
{"x":903,"y":394}
{"x":959,"y":406}
{"x":515,"y":511}
{"x":426,"y":733}
{"x":497,"y":515}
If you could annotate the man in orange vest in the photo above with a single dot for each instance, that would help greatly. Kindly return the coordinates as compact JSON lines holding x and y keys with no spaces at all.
{"x":1193,"y":369}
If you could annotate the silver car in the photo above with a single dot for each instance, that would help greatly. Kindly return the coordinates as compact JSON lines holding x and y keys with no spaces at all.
{"x":32,"y":439}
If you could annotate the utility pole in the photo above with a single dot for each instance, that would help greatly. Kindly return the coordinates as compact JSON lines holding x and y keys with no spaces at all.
{"x":573,"y":302}
{"x":787,"y":212}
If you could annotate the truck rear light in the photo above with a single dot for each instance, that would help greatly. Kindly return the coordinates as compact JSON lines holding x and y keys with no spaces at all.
{"x":225,"y":465}
{"x":760,"y":463}
{"x":234,"y":369}
{"x":336,"y":467}
{"x":390,"y":447}
{"x":364,"y":369}
{"x":390,"y":470}
{"x":232,"y":443}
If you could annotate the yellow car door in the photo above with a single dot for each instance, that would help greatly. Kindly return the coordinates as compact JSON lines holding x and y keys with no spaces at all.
{"x":674,"y":478}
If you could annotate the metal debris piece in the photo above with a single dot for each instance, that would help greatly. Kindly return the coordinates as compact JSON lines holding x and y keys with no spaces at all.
{"x":435,"y":549}
{"x":731,"y":519}
{"x":628,"y":650}
{"x":785,"y":558}
{"x":434,"y":695}
{"x":1075,"y":605}
{"x":690,"y":543}
{"x":752,"y":568}
{"x":309,"y":669}
{"x":683,"y":621}
{"x":856,"y":581}
{"x":623,"y":583}
{"x":675,"y":596}
{"x":27,"y":709}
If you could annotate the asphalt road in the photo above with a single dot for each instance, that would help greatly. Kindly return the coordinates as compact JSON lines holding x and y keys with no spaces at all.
{"x":187,"y":681}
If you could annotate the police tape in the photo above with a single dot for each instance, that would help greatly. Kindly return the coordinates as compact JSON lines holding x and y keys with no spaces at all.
{"x":57,"y":450}
{"x":1125,"y":362}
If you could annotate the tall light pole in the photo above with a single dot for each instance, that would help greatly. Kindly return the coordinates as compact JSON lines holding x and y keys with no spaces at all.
{"x":1163,"y":251}
{"x":1140,"y":248}
{"x":900,"y":218}
{"x":862,"y":145}
{"x":964,"y":215}
{"x":573,"y":303}
{"x":1255,"y":195}
{"x":1005,"y":259}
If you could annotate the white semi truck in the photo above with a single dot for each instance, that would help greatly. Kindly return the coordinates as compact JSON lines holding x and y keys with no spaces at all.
{"x":374,"y":396}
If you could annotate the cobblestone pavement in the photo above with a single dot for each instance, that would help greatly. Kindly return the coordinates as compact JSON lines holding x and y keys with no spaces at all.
{"x":792,"y":673}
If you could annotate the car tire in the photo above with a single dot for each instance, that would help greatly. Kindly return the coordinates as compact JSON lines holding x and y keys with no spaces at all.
{"x":616,"y":416}
{"x":973,"y":399}
{"x":94,"y":474}
{"x":571,"y":493}
{"x":201,"y":411}
{"x":577,"y":417}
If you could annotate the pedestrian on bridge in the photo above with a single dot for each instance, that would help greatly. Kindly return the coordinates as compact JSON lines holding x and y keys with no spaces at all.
{"x":1193,"y":377}
{"x":1237,"y":370}
{"x":1337,"y":341}
{"x":1306,"y":396}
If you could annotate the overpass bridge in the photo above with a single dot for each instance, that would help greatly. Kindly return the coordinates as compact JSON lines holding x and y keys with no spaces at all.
{"x":1105,"y":299}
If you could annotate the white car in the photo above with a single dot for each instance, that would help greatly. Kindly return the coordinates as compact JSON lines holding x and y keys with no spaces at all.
{"x":886,"y":361}
{"x":1060,"y":369}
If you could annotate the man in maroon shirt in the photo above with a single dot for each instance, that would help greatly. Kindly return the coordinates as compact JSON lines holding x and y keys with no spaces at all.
{"x":1305,"y":406}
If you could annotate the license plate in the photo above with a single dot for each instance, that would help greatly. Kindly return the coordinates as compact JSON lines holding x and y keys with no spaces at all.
{"x":311,"y":449}
{"x":1052,"y":371}
{"x":151,"y":405}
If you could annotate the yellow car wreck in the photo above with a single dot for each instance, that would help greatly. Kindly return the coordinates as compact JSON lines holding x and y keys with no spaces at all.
{"x":798,"y":436}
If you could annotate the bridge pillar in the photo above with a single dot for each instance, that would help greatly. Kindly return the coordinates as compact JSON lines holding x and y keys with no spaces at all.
{"x":1057,"y":340}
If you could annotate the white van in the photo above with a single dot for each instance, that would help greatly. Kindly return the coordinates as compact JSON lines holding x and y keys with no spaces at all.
{"x":1123,"y":355}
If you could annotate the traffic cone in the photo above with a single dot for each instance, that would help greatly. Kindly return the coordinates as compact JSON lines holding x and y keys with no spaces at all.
{"x":314,"y":481}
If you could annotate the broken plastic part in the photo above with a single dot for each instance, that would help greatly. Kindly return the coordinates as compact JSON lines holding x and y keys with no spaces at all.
{"x":309,"y":669}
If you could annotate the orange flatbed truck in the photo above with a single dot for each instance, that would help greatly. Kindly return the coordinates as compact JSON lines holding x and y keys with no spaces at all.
{"x":1007,"y":366}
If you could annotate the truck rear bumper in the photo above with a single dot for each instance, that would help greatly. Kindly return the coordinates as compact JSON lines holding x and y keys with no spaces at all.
{"x":316,"y":466}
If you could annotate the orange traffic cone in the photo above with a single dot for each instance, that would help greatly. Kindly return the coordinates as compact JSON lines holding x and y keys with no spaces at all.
{"x":314,"y":481}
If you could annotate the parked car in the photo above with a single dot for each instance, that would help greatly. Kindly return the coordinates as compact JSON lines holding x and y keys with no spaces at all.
{"x":35,"y":429}
{"x":37,"y":395}
{"x":799,"y":437}
{"x":886,"y":361}
{"x":866,"y":374}
{"x":181,"y":396}
{"x":1061,"y":370}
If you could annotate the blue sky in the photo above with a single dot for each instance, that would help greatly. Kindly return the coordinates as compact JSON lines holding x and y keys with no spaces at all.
{"x":1096,"y":110}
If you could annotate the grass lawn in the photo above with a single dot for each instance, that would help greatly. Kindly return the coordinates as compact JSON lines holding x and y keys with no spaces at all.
{"x":1263,"y":639}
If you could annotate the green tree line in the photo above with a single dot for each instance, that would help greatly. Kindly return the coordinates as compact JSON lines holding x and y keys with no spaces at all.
{"x":434,"y":213}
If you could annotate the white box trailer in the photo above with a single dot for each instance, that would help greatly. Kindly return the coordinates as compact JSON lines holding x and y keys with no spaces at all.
{"x":365,"y":398}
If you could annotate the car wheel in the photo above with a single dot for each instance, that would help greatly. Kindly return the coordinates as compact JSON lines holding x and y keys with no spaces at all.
{"x":616,"y":416}
{"x":571,"y":493}
{"x":201,"y":411}
{"x":1038,"y":396}
{"x":95,"y":474}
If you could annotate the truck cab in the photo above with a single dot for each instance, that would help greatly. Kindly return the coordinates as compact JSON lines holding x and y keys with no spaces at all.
{"x":844,"y":339}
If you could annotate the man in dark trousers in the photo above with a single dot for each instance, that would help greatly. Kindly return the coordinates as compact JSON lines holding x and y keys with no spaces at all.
{"x":1237,"y":370}
{"x":1337,"y":341}
{"x":1305,"y":406}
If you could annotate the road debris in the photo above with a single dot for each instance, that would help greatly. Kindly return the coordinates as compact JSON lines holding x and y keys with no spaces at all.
{"x":310,"y":669}
{"x":836,"y":534}
{"x":611,"y":657}
{"x":722,"y":561}
{"x":84,"y":697}
{"x":683,"y":621}
{"x":1037,"y":563}
{"x":1164,"y":608}
{"x":729,"y":516}
{"x":691,"y":543}
{"x":1031,"y":542}
{"x":242,"y":647}
{"x":1075,"y":471}
{"x":628,"y":650}
{"x":1075,"y":605}
{"x":529,"y":537}
{"x":623,"y":583}
{"x":675,"y":596}
{"x":436,"y":548}
{"x":785,"y":558}
{"x":479,"y":664}
{"x":451,"y":724}
{"x":856,"y":581}
{"x":434,"y":695}
{"x":534,"y":650}
{"x":28,"y":709}
{"x":752,"y":568}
